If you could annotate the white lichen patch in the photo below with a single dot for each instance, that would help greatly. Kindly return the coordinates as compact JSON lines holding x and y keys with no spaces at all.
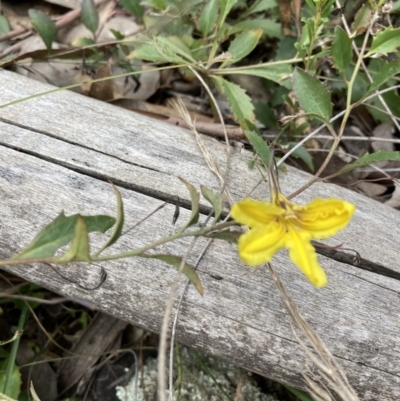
{"x":205,"y":380}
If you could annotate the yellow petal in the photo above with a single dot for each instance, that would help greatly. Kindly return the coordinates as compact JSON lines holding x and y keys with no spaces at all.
{"x":254,"y":213}
{"x":304,"y":257}
{"x":324,"y":217}
{"x":261,"y":243}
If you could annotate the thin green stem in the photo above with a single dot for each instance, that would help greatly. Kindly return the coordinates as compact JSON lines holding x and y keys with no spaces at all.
{"x":14,"y":350}
{"x":242,"y":70}
{"x":165,"y":240}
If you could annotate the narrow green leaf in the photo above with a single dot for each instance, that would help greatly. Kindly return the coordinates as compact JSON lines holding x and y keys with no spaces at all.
{"x":341,"y":49}
{"x":298,"y":393}
{"x":61,"y":231}
{"x":133,"y":6}
{"x":238,"y":100}
{"x":174,"y":45}
{"x":89,"y":15}
{"x":44,"y":26}
{"x":215,"y":199}
{"x":369,"y":159}
{"x":157,"y":4}
{"x":311,"y":94}
{"x":195,"y":198}
{"x":15,"y":382}
{"x":362,"y":19}
{"x":4,"y":25}
{"x":208,"y":17}
{"x":175,"y":261}
{"x":79,"y":249}
{"x":312,"y":7}
{"x":302,"y":153}
{"x":226,"y":235}
{"x":148,"y":52}
{"x":270,"y":27}
{"x":262,"y":5}
{"x":388,"y":71}
{"x":226,"y":6}
{"x":280,"y":74}
{"x":260,"y":146}
{"x":242,"y":45}
{"x":119,"y":221}
{"x":386,"y":41}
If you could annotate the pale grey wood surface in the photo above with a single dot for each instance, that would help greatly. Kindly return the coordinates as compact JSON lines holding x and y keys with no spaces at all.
{"x":58,"y":150}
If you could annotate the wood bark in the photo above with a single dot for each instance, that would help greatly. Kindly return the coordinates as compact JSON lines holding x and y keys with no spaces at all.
{"x":59,"y":150}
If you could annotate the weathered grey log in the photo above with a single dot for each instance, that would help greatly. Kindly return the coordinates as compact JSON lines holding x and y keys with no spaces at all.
{"x":59,"y":150}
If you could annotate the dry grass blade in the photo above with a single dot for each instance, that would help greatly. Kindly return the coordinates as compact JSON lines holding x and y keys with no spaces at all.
{"x":184,"y":113}
{"x":328,"y":368}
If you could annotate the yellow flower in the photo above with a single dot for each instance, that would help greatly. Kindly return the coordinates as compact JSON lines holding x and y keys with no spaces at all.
{"x":282,"y":224}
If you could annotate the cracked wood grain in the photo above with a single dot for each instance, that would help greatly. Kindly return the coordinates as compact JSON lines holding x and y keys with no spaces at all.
{"x":57,"y":151}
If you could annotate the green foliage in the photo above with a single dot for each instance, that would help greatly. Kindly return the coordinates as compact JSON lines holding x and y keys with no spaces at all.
{"x":215,"y":199}
{"x":15,"y":380}
{"x":194,"y":196}
{"x":44,"y":26}
{"x":175,"y":261}
{"x":369,"y":159}
{"x":133,"y":6}
{"x":242,"y":45}
{"x":388,"y":71}
{"x":4,"y":25}
{"x":208,"y":17}
{"x":302,"y":153}
{"x":311,"y":94}
{"x":89,"y":15}
{"x":341,"y":49}
{"x":61,"y":231}
{"x":260,"y":147}
{"x":386,"y":41}
{"x":238,"y":100}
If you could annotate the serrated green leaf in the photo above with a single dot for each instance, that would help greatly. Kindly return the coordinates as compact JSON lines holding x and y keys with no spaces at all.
{"x":280,"y":74}
{"x":44,"y":26}
{"x":79,"y":249}
{"x":226,"y":235}
{"x":260,"y":146}
{"x":302,"y":153}
{"x":119,"y":221}
{"x":175,"y":261}
{"x":195,"y":198}
{"x":369,"y":159}
{"x":238,"y":100}
{"x":242,"y":45}
{"x":388,"y":71}
{"x":215,"y":199}
{"x":89,"y":15}
{"x":133,"y":6}
{"x":270,"y":28}
{"x":61,"y":231}
{"x":208,"y":17}
{"x":225,"y":7}
{"x":386,"y":41}
{"x":311,"y":94}
{"x":4,"y":25}
{"x":341,"y":49}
